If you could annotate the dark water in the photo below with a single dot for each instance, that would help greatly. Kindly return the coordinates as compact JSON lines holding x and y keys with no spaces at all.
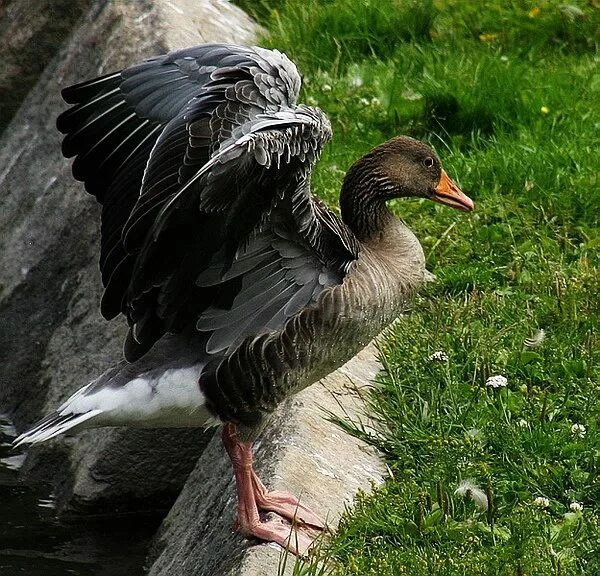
{"x":33,"y":542}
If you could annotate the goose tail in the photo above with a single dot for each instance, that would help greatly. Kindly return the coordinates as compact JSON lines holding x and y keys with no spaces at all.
{"x":53,"y":425}
{"x":123,"y":396}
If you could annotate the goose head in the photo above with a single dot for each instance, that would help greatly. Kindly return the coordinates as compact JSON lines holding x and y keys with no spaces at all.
{"x":401,"y":167}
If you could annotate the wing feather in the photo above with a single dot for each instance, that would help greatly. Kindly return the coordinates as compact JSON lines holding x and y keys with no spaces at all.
{"x":202,"y":159}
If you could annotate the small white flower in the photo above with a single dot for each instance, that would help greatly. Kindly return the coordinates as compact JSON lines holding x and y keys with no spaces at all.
{"x":375,"y":101}
{"x":356,"y":81}
{"x":439,"y":356}
{"x":535,"y":340}
{"x":522,"y":423}
{"x":467,"y":489}
{"x":578,"y":430}
{"x":496,"y":381}
{"x":541,"y":502}
{"x":576,"y":506}
{"x":364,"y":102}
{"x":326,"y":87}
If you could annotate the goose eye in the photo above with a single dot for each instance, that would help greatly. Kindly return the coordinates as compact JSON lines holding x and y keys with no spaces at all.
{"x":428,"y":162}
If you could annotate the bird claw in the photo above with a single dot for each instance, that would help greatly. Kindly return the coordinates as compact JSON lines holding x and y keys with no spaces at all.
{"x":289,"y":507}
{"x":298,"y":540}
{"x":285,"y":505}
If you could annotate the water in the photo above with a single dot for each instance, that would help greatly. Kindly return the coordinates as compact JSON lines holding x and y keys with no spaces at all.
{"x":34,"y":543}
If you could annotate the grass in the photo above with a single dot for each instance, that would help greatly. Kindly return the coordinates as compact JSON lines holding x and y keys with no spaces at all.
{"x":508,"y":93}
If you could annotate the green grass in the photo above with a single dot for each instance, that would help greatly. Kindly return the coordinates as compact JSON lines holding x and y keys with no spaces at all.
{"x":508,"y":92}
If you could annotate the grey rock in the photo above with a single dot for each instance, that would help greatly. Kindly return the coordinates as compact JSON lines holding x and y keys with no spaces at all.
{"x":30,"y":35}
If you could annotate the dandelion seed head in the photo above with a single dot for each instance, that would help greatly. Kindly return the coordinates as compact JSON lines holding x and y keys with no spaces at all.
{"x":572,"y":12}
{"x":541,"y":502}
{"x":576,"y":506}
{"x":535,"y":340}
{"x":578,"y":430}
{"x":439,"y":356}
{"x":497,"y":381}
{"x":468,"y":489}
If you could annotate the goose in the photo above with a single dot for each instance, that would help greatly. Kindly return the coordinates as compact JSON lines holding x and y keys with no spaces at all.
{"x":239,"y":287}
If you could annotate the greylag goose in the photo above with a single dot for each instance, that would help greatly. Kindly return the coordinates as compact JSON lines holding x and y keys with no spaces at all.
{"x":239,"y":286}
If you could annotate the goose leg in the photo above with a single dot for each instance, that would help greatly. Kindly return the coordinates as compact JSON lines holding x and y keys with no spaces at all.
{"x":253,"y":497}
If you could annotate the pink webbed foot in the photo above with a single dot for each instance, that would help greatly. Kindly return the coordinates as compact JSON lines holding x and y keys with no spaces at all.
{"x":285,"y":504}
{"x":304,"y":526}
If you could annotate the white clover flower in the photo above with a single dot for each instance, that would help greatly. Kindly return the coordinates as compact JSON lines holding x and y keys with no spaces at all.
{"x":467,"y":489}
{"x":496,"y":381}
{"x":541,"y":502}
{"x":356,"y":81}
{"x":578,"y":430}
{"x":439,"y":356}
{"x":535,"y":340}
{"x":576,"y":506}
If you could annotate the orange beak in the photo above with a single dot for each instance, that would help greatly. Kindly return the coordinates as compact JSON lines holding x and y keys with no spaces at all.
{"x":447,"y":192}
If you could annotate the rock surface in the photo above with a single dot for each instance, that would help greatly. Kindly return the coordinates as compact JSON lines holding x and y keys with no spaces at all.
{"x":30,"y":35}
{"x":53,"y":340}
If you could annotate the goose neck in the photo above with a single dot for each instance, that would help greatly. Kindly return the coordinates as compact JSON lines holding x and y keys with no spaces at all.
{"x":363,"y":202}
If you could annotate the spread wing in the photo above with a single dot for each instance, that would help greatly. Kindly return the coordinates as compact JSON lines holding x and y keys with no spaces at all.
{"x":202,"y":161}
